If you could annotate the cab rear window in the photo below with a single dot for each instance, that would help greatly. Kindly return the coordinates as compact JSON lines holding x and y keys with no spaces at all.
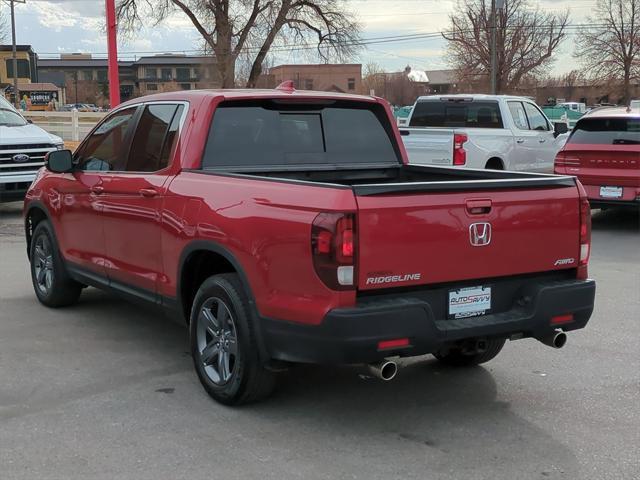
{"x":606,"y":131}
{"x":468,"y":114}
{"x":246,"y":135}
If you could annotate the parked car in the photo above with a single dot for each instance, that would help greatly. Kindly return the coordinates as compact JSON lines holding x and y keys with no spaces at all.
{"x":482,"y":131}
{"x":287,"y":226}
{"x":23,"y":147}
{"x":603,"y":151}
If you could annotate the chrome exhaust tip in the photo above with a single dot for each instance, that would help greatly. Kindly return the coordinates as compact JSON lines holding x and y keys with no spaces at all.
{"x":385,"y":370}
{"x":555,"y":340}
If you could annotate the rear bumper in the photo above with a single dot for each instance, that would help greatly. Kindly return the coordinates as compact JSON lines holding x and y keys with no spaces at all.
{"x":351,"y":335}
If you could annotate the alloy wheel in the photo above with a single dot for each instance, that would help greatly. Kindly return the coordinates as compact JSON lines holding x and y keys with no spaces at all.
{"x":43,"y":264}
{"x":217,"y":343}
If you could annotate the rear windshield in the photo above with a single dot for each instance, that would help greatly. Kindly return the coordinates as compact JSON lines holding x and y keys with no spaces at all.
{"x":607,"y":131}
{"x":247,"y":135}
{"x":441,"y":113}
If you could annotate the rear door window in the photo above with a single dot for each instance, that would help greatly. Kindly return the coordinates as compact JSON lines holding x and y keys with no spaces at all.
{"x":150,"y":146}
{"x":261,"y":134}
{"x":607,"y":131}
{"x":519,"y":115}
{"x":469,"y":114}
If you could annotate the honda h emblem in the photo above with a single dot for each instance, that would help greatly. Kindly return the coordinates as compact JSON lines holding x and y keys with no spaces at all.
{"x":480,"y":234}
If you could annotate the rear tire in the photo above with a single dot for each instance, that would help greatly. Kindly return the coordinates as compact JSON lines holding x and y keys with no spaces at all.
{"x":455,"y":358}
{"x":223,"y":343}
{"x":51,"y":282}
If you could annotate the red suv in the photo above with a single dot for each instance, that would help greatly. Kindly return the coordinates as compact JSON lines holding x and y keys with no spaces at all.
{"x":604,"y":153}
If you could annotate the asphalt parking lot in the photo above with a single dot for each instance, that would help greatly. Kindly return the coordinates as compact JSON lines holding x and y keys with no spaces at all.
{"x":106,"y":390}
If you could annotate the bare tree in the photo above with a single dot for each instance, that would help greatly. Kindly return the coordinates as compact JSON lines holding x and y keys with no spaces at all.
{"x":610,"y":49}
{"x":373,"y":78}
{"x":526,"y":41}
{"x":256,"y":27}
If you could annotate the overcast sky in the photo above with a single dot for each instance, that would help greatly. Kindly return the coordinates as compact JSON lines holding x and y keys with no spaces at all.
{"x":61,"y":26}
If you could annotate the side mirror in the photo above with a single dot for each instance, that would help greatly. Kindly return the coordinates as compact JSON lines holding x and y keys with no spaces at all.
{"x":559,"y":128}
{"x":59,"y":161}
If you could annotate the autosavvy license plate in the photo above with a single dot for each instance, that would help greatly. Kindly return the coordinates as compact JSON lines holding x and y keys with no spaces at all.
{"x":469,"y":302}
{"x":611,"y":192}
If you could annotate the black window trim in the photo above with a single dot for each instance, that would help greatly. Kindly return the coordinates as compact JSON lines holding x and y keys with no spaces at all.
{"x":131,"y":131}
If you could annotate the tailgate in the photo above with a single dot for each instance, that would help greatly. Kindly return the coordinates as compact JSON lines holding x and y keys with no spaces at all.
{"x":432,"y":146}
{"x":602,"y":164}
{"x":432,"y":237}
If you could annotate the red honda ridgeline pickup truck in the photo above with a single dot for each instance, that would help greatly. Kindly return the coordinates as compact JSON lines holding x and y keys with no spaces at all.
{"x":287,"y":227}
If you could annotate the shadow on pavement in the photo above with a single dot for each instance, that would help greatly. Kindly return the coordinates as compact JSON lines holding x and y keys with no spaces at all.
{"x":620,"y":219}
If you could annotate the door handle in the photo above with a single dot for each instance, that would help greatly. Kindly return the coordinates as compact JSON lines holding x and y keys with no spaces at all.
{"x":479,"y":206}
{"x":542,"y":140}
{"x":97,"y":189}
{"x":148,"y":192}
{"x":520,"y":140}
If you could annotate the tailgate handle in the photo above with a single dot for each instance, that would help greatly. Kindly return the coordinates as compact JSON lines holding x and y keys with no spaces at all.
{"x":478,"y":207}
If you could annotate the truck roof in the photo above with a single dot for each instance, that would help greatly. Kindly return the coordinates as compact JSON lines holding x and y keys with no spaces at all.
{"x":251,"y":94}
{"x":472,"y":96}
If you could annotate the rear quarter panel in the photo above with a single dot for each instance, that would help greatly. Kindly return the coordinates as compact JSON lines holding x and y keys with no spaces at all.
{"x":266,"y":226}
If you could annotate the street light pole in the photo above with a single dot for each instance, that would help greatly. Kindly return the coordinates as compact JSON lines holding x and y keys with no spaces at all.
{"x":495,"y":6}
{"x":16,"y":99}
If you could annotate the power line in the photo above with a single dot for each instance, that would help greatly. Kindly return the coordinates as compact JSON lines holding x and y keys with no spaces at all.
{"x":355,"y":43}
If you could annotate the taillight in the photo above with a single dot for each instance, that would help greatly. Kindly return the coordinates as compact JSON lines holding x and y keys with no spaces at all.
{"x":333,"y":246}
{"x":459,"y":153}
{"x":585,"y":234}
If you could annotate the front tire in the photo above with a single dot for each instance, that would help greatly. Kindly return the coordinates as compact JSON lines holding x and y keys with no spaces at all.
{"x":51,"y":282}
{"x":223,"y":343}
{"x":455,"y":357}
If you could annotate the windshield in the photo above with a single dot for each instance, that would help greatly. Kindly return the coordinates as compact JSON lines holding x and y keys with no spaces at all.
{"x":607,"y":131}
{"x":10,"y":118}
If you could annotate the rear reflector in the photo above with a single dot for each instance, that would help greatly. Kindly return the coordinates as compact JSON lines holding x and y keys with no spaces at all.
{"x":398,"y":342}
{"x":560,"y":319}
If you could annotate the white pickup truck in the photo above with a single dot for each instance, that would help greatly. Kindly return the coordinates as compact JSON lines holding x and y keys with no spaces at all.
{"x":22,"y":150}
{"x":482,"y":131}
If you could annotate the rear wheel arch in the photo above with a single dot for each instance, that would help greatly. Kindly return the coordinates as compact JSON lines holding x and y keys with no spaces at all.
{"x":200,"y":260}
{"x":495,"y":163}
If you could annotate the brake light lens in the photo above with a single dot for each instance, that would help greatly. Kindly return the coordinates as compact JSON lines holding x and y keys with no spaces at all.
{"x":333,"y":246}
{"x":585,"y":235}
{"x":459,"y":153}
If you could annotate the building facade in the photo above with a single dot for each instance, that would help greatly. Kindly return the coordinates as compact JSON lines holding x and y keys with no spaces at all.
{"x":27,"y":63}
{"x":345,"y":78}
{"x":85,"y":78}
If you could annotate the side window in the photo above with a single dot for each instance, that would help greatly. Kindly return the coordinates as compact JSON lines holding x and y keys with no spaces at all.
{"x":519,"y":115}
{"x":106,"y":149}
{"x":151,"y":137}
{"x":537,"y":121}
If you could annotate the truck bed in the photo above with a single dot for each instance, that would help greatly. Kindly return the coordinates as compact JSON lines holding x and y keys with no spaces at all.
{"x":405,"y":178}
